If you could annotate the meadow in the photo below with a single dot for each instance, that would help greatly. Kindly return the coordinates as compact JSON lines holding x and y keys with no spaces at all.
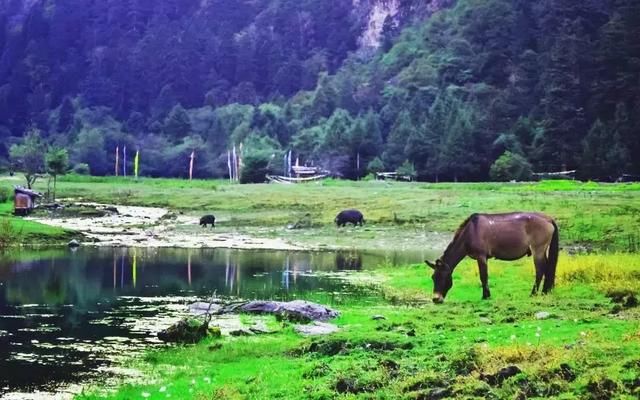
{"x":591,"y":216}
{"x":586,"y":348}
{"x":582,"y":341}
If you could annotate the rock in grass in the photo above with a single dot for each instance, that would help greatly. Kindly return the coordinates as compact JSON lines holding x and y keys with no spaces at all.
{"x":502,"y":375}
{"x":214,"y":331}
{"x":378,"y":317}
{"x":486,"y":320}
{"x":296,"y":311}
{"x":202,"y":308}
{"x":316,"y":328}
{"x":185,"y":331}
{"x":241,"y":332}
{"x":542,"y":315}
{"x":438,"y":393}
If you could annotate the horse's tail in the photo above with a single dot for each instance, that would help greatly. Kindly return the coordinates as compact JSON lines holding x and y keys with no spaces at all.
{"x":552,"y":260}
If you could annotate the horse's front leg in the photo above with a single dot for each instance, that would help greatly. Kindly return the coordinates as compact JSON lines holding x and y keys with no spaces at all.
{"x":484,"y":277}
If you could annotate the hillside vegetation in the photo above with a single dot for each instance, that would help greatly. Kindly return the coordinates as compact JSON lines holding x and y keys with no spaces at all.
{"x":544,"y":85}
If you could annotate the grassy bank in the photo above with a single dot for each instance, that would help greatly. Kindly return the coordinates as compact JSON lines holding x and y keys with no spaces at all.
{"x":597,"y":216}
{"x":29,"y":232}
{"x":588,"y":347}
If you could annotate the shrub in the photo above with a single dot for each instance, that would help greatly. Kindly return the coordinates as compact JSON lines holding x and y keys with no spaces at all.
{"x":510,"y":166}
{"x":376,"y":165}
{"x":261,"y":156}
{"x":407,"y":169}
{"x":5,"y":194}
{"x":9,"y":235}
{"x":81,"y":169}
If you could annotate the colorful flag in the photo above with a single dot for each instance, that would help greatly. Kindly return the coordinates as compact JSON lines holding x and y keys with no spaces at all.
{"x":193,"y":155}
{"x":136,"y":163}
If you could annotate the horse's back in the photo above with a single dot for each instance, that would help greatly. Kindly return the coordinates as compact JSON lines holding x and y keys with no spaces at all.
{"x":512,"y":235}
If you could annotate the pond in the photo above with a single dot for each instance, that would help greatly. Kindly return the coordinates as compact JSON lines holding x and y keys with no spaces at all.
{"x":70,"y":316}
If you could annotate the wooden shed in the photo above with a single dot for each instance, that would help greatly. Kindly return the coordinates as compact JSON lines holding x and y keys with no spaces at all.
{"x":24,"y":200}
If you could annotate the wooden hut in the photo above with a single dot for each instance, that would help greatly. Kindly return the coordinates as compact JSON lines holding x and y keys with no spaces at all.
{"x":24,"y":200}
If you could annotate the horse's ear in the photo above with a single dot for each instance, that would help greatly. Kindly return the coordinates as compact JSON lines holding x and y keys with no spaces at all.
{"x":432,"y":265}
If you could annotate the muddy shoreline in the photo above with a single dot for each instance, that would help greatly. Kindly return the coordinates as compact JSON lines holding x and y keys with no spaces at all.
{"x":152,"y":227}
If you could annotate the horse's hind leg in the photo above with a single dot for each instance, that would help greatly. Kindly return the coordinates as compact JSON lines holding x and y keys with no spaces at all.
{"x":484,"y":278}
{"x":540,"y":263}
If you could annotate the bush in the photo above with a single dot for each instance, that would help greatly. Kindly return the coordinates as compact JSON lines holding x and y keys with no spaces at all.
{"x":9,"y":235}
{"x":511,"y":166}
{"x":407,"y":169}
{"x":261,"y":156}
{"x":82,"y":169}
{"x":376,"y":165}
{"x":5,"y":194}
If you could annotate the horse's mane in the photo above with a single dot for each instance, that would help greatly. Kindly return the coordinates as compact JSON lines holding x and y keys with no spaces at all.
{"x":459,"y":231}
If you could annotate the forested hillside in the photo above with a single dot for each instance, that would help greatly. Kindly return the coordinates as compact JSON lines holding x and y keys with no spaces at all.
{"x":444,"y":88}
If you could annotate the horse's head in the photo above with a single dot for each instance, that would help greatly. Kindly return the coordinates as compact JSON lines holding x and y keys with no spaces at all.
{"x":442,"y":280}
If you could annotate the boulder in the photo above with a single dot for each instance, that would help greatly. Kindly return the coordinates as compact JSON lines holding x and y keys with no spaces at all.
{"x":316,"y":328}
{"x":297,"y":310}
{"x":187,"y":331}
{"x":73,"y":244}
{"x":202,"y":308}
{"x":542,"y":315}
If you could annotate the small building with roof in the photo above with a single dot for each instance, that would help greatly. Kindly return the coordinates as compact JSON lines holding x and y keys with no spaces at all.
{"x":24,"y":200}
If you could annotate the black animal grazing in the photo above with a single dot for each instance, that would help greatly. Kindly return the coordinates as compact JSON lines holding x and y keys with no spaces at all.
{"x":208,"y":219}
{"x":349,"y":216}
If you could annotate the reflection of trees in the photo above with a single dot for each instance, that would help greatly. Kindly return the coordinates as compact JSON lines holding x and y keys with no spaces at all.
{"x":351,"y":260}
{"x":90,"y":276}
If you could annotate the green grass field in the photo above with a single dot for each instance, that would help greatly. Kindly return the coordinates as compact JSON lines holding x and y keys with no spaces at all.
{"x":588,"y":348}
{"x":596,"y":216}
{"x":30,"y":232}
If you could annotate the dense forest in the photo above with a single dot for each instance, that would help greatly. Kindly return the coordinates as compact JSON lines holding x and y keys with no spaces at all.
{"x":443,"y":90}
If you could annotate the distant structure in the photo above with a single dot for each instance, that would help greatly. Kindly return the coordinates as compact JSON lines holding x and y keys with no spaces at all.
{"x":383,"y":176}
{"x":555,"y":175}
{"x":24,"y":200}
{"x":302,"y":174}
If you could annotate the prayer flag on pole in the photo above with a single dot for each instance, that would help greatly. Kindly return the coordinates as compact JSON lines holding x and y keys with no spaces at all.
{"x":124,"y":161}
{"x":136,"y":164}
{"x":229,"y":166}
{"x":117,"y":160}
{"x":235,"y":164}
{"x":193,"y":155}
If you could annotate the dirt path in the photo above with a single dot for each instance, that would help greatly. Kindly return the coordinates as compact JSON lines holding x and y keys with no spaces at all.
{"x":135,"y":226}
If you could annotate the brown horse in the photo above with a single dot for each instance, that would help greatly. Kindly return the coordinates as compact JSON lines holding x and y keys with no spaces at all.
{"x":502,"y":236}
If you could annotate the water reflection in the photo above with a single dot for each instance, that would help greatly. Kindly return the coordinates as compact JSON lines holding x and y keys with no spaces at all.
{"x":64,"y":315}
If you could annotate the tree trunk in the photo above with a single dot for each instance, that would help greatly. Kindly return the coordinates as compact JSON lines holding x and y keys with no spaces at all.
{"x":55,"y":179}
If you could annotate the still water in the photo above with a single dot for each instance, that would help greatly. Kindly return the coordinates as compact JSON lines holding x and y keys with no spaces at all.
{"x":68,"y":317}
